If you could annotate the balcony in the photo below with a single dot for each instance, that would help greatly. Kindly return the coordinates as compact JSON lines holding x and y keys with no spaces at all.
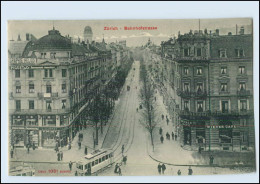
{"x":191,"y":58}
{"x":186,"y":94}
{"x":48,"y":95}
{"x":243,"y":93}
{"x":194,"y":115}
{"x":233,"y":113}
{"x":38,"y":111}
{"x":207,"y":114}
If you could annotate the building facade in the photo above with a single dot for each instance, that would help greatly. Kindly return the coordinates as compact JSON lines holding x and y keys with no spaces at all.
{"x":212,"y":75}
{"x":51,"y":86}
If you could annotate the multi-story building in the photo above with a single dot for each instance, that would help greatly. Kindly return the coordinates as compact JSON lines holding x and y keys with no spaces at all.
{"x":50,"y":87}
{"x":213,"y":77}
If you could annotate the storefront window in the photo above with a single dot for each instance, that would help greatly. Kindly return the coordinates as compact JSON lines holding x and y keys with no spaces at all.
{"x":64,"y":120}
{"x":18,"y":137}
{"x":49,"y":138}
{"x":18,"y":120}
{"x":31,"y":121}
{"x":49,"y":120}
{"x":200,"y":131}
{"x":225,"y":134}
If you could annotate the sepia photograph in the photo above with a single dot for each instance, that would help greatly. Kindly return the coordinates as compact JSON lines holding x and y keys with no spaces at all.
{"x":131,"y":97}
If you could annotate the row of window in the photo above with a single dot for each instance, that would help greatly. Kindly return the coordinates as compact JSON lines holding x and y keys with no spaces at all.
{"x":47,"y":73}
{"x":222,"y":53}
{"x":224,"y":105}
{"x":223,"y":87}
{"x":48,"y":88}
{"x":31,"y":104}
{"x":197,"y":52}
{"x":223,"y":70}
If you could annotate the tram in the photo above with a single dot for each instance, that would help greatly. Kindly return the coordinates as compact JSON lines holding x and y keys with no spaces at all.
{"x":93,"y":162}
{"x":22,"y":171}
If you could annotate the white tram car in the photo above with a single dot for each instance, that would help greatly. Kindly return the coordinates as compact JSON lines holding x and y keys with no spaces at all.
{"x":95,"y":161}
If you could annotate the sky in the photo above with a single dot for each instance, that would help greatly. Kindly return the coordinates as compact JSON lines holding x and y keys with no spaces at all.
{"x":165,"y":28}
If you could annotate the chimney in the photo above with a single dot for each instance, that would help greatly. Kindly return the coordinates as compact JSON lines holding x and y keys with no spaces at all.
{"x":217,"y":32}
{"x":27,"y":37}
{"x":242,"y":30}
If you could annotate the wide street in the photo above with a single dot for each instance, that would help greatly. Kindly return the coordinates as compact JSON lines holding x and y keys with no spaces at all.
{"x":125,"y":129}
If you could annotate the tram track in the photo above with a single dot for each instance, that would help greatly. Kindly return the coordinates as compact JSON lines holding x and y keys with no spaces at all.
{"x":124,"y":122}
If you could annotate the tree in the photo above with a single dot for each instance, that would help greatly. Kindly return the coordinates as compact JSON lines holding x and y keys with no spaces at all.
{"x":147,"y":100}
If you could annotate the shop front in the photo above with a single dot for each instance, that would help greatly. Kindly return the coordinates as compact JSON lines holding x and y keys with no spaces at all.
{"x":18,"y":137}
{"x":49,"y":137}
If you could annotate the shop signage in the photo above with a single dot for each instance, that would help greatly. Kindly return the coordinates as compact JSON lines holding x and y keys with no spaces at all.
{"x":222,"y":126}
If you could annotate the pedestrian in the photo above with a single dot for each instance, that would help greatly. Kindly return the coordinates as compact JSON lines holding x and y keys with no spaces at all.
{"x":162,"y":116}
{"x":86,"y":150}
{"x":168,"y":136}
{"x":119,"y":171}
{"x":163,"y":168}
{"x":81,"y":136}
{"x":179,"y":172}
{"x":190,"y":171}
{"x":137,"y":109}
{"x":162,"y":139}
{"x":160,"y":131}
{"x":167,"y":121}
{"x":175,"y":137}
{"x":58,"y":156}
{"x":199,"y":150}
{"x":33,"y":145}
{"x":70,"y":165}
{"x":12,"y":153}
{"x":76,"y":173}
{"x":211,"y":160}
{"x":125,"y":159}
{"x":159,"y":168}
{"x":116,"y":168}
{"x":172,"y":136}
{"x":123,"y":148}
{"x":69,"y":146}
{"x":79,"y":143}
{"x":61,"y":155}
{"x":28,"y":148}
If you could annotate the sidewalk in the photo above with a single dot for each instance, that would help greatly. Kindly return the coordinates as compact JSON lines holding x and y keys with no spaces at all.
{"x":171,"y":152}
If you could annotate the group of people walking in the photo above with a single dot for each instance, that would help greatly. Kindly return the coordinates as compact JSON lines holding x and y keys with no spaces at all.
{"x":161,"y":169}
{"x":168,"y":136}
{"x":60,"y":156}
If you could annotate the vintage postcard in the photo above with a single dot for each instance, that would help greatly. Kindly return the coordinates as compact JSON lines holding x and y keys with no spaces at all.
{"x":131,"y":97}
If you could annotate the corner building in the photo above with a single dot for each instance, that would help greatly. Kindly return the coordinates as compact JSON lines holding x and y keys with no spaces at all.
{"x":214,"y":76}
{"x":50,"y":88}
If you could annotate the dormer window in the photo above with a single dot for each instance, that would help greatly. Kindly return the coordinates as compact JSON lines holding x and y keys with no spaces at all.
{"x":223,"y":70}
{"x":53,"y":55}
{"x":239,"y":52}
{"x":43,"y":54}
{"x":186,"y":51}
{"x":222,"y":53}
{"x":198,"y":52}
{"x":199,"y":71}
